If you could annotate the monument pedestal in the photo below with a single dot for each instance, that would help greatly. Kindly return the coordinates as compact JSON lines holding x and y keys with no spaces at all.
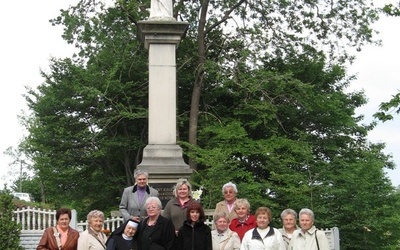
{"x":162,"y":157}
{"x":165,"y":166}
{"x":164,"y":162}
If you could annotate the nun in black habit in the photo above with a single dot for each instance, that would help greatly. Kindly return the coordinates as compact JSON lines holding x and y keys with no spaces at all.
{"x":123,"y":238}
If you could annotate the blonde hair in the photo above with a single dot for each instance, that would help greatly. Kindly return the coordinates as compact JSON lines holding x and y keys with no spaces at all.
{"x":179,"y":184}
{"x":242,"y":202}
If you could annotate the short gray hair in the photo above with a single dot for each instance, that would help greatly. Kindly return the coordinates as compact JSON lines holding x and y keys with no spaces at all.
{"x":95,"y":213}
{"x":179,"y":184}
{"x":308,"y":212}
{"x":155,"y":200}
{"x":288,"y":211}
{"x":220,"y":215}
{"x":229,"y":184}
{"x":140,"y":172}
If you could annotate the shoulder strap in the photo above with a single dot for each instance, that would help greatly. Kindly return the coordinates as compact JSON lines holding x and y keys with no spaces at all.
{"x":229,"y":236}
{"x":57,"y":236}
{"x":316,"y":238}
{"x":90,"y":231}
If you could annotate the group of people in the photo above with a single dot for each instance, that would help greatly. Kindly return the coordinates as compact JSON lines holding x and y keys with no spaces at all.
{"x":63,"y":237}
{"x":181,"y":225}
{"x":253,"y":232}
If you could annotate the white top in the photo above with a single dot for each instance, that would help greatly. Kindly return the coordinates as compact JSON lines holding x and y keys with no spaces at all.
{"x":272,"y":240}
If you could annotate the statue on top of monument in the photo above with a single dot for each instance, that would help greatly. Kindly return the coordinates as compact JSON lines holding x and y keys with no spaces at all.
{"x":161,"y":9}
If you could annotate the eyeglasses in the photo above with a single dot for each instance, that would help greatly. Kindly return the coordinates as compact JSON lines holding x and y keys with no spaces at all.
{"x":151,"y":207}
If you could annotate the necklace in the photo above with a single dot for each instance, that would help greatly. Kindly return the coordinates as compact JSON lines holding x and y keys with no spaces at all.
{"x":244,"y":220}
{"x":151,"y":223}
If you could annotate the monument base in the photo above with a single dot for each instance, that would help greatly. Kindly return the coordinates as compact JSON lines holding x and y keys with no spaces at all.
{"x":165,"y":166}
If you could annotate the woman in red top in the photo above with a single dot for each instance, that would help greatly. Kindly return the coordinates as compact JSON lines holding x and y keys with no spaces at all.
{"x":244,"y":221}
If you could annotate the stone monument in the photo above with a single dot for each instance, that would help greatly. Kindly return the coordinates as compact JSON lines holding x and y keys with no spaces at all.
{"x":162,"y":157}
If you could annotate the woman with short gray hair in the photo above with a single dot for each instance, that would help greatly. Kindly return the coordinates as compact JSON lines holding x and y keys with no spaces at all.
{"x":133,"y":197}
{"x":289,"y":218}
{"x":229,"y":191}
{"x":155,"y":232}
{"x":222,"y":237}
{"x":93,"y":238}
{"x":308,"y":237}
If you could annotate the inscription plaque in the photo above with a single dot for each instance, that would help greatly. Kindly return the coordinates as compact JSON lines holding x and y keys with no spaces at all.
{"x":165,"y":192}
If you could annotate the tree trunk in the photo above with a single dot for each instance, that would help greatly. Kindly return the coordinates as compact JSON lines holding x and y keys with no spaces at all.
{"x":199,"y":81}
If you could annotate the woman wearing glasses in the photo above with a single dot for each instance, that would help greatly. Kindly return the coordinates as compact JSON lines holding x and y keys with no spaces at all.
{"x":155,"y":232}
{"x":229,"y":191}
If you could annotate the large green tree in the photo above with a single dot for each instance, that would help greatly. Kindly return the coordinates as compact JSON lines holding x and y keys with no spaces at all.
{"x":289,"y":138}
{"x":262,"y":102}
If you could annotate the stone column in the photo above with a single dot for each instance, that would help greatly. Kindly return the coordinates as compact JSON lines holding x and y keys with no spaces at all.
{"x":162,"y":157}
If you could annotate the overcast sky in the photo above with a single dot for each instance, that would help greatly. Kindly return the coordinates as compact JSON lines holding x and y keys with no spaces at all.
{"x":28,"y":41}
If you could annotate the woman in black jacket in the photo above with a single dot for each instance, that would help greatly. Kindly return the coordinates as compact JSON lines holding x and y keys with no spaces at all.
{"x":155,"y":232}
{"x":194,"y":234}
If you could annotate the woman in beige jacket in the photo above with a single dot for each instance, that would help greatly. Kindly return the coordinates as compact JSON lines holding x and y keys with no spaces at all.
{"x":222,"y":237}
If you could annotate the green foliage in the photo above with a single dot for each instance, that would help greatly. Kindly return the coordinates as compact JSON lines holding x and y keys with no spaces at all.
{"x":393,"y":105}
{"x":27,"y":184}
{"x":272,"y":114}
{"x":9,"y":230}
{"x":90,"y":114}
{"x":391,"y":9}
{"x":288,"y":138}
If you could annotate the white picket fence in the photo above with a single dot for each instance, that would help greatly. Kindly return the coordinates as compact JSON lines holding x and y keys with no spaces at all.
{"x":35,"y":220}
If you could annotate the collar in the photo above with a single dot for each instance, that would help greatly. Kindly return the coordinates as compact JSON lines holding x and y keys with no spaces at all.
{"x":243,"y":221}
{"x":309,"y":231}
{"x":93,"y":232}
{"x":198,"y":223}
{"x":126,"y":237}
{"x":257,"y":236}
{"x":284,"y":232}
{"x":135,"y":188}
{"x":100,"y":237}
{"x":62,"y":231}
